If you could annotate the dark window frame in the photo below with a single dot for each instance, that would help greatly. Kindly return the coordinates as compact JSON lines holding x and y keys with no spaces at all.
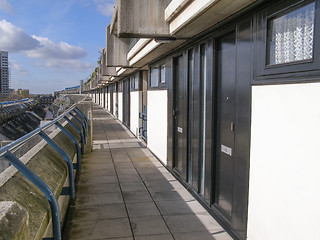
{"x":162,"y":66}
{"x":134,"y":79}
{"x":120,"y":85}
{"x":160,"y":85}
{"x":291,"y":71}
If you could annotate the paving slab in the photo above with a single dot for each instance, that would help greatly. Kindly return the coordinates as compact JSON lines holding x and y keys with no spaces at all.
{"x":151,"y":225}
{"x":107,"y":228}
{"x":133,"y":186}
{"x":180,"y":207}
{"x":91,"y":213}
{"x":142,"y":209}
{"x":98,"y":188}
{"x":99,"y":199}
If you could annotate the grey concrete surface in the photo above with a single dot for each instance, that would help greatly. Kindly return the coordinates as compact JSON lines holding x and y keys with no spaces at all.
{"x":125,"y":193}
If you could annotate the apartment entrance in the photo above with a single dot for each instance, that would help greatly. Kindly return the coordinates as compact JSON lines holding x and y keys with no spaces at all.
{"x":111,"y":90}
{"x":225,"y":156}
{"x":126,"y":102}
{"x":180,"y":116}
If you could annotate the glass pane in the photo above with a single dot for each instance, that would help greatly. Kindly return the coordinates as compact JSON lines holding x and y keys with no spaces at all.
{"x":190,"y":113}
{"x":154,"y":77}
{"x":203,"y":91}
{"x":292,"y":36}
{"x":162,"y":74}
{"x":136,"y":83}
{"x":132,"y":82}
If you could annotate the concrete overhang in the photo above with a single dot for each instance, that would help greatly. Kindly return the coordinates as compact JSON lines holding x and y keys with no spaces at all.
{"x":106,"y":71}
{"x":180,"y":19}
{"x":123,"y":72}
{"x":104,"y":78}
{"x":188,"y":18}
{"x":140,"y":19}
{"x":116,"y":50}
{"x":150,"y":51}
{"x":109,"y":71}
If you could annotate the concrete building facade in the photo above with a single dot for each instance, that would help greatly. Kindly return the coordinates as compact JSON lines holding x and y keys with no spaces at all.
{"x":226,"y":95}
{"x":4,"y":74}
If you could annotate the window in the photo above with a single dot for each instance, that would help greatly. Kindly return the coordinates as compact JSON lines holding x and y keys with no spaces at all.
{"x":120,"y":86}
{"x":203,"y":97}
{"x":132,"y":82}
{"x":291,"y":36}
{"x":154,"y":77}
{"x":136,"y":82}
{"x":163,"y":73}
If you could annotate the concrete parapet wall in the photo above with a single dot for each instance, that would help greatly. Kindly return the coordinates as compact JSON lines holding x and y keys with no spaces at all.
{"x":14,"y":221}
{"x":45,"y":162}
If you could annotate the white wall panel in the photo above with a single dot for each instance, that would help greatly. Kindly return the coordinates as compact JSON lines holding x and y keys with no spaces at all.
{"x":120,"y":106}
{"x":115,"y":103}
{"x":109,"y":99}
{"x":157,"y":123}
{"x":106,"y":99}
{"x":135,"y":108}
{"x":101,"y":98}
{"x":284,"y":191}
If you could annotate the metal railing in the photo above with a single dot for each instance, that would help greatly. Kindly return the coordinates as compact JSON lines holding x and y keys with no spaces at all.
{"x":6,"y":152}
{"x":143,"y":129}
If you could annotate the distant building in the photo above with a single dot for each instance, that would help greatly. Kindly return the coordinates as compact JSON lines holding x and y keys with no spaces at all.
{"x":4,"y":74}
{"x":46,"y":100}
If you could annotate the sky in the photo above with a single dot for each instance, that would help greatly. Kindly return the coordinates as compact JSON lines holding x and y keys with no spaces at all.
{"x":52,"y":44}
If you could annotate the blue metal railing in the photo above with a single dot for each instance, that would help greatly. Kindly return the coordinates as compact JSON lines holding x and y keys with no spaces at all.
{"x":143,"y":129}
{"x":6,"y":152}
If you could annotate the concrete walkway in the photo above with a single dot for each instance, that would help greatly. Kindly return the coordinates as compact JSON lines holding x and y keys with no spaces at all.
{"x":125,"y":193}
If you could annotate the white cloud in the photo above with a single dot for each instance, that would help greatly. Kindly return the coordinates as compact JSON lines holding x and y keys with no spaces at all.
{"x":51,"y":54}
{"x":51,"y":50}
{"x":4,"y":5}
{"x":14,"y":39}
{"x":105,"y":7}
{"x":64,"y":64}
{"x":16,"y":67}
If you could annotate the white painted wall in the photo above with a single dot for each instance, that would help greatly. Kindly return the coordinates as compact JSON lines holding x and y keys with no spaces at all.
{"x":120,"y":106}
{"x":157,"y":123}
{"x":101,"y":98}
{"x":135,"y":108}
{"x":115,"y":102}
{"x":106,"y":97}
{"x":284,"y":192}
{"x":109,"y":106}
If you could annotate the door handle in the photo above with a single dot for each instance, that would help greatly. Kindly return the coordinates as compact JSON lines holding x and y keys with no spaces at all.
{"x":232,"y":126}
{"x":174,"y":112}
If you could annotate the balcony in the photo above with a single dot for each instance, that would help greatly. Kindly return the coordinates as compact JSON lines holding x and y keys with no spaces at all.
{"x":122,"y":192}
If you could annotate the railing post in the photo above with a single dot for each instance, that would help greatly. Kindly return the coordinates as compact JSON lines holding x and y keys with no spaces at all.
{"x":75,"y":141}
{"x":82,"y":125}
{"x":83,"y":115}
{"x":79,"y":131}
{"x":83,"y":119}
{"x":37,"y":181}
{"x":65,"y":157}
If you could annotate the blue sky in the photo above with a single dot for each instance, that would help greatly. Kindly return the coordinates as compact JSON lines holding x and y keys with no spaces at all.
{"x":52,"y":44}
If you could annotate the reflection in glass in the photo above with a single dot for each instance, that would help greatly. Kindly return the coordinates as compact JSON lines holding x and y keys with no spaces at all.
{"x":162,"y":74}
{"x":154,"y":77}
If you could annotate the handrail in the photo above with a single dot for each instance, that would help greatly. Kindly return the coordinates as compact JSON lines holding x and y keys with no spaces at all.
{"x":6,"y":152}
{"x":143,"y":128}
{"x":17,"y":143}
